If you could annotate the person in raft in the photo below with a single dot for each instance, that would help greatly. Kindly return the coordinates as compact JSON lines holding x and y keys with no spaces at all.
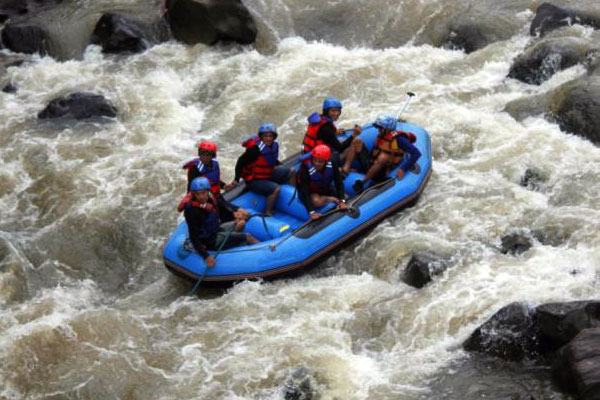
{"x":206,"y":165}
{"x":258,"y":166}
{"x":205,"y":230}
{"x":388,"y":152}
{"x":322,"y":130}
{"x":316,"y":180}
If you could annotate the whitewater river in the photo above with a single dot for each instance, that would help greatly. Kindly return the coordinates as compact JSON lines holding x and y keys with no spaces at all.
{"x":88,"y":311}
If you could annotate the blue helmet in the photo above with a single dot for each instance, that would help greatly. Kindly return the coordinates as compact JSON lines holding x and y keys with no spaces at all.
{"x":385,"y":121}
{"x":331,"y":102}
{"x":201,"y":183}
{"x":267,"y":127}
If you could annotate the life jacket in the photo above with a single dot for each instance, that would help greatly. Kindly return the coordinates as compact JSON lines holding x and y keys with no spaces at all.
{"x":188,"y":201}
{"x":320,"y":182}
{"x":213,"y":174}
{"x":264,"y":165}
{"x":211,"y":223}
{"x":387,"y":144}
{"x":311,"y":137}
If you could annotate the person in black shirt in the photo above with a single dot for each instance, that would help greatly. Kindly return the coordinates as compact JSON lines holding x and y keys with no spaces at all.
{"x":260,"y":167}
{"x":317,"y":176}
{"x":322,"y":130}
{"x":205,"y":230}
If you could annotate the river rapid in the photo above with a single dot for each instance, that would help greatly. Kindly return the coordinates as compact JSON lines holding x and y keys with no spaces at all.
{"x":88,"y":310}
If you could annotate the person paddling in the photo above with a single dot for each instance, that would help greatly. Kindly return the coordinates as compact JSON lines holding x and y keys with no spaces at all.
{"x":205,"y":230}
{"x":322,"y":130}
{"x":259,"y":166}
{"x":316,"y":181}
{"x":388,"y":153}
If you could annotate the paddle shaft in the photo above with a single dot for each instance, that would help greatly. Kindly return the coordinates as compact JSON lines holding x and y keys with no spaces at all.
{"x":197,"y":285}
{"x":409,"y":96}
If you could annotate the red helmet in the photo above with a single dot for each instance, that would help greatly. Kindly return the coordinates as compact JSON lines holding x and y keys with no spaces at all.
{"x":208,"y":146}
{"x":322,"y":151}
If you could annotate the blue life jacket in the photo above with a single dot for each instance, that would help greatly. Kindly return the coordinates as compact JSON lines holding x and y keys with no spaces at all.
{"x":320,"y":182}
{"x":212,"y":173}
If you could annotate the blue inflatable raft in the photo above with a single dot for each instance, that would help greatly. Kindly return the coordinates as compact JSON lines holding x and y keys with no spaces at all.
{"x":290,"y":241}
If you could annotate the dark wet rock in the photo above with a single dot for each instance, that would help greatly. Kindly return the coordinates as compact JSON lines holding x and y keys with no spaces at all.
{"x":541,"y":61}
{"x":532,"y":179}
{"x":471,"y":26}
{"x":15,"y":63}
{"x":510,"y":334}
{"x":11,"y":9}
{"x":577,"y":107}
{"x":115,"y":34}
{"x":79,"y":105}
{"x":210,"y":21}
{"x":421,"y":268}
{"x":300,"y":385}
{"x":576,"y":367}
{"x":515,"y":243}
{"x":529,"y":106}
{"x":9,"y":88}
{"x":468,"y":38}
{"x":550,"y":17}
{"x":28,"y":39}
{"x":561,"y":322}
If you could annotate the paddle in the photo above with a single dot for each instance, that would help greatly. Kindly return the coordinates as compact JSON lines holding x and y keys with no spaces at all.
{"x":409,"y":96}
{"x":197,"y":285}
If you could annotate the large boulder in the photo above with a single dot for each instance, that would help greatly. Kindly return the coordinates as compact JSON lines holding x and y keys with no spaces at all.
{"x":25,"y":38}
{"x":421,"y":268}
{"x":550,"y":17}
{"x":79,"y":105}
{"x":115,"y":34}
{"x":561,"y":322}
{"x":576,"y":367}
{"x":544,"y":59}
{"x":510,"y":334}
{"x":472,"y":25}
{"x":210,"y":21}
{"x":577,"y":107}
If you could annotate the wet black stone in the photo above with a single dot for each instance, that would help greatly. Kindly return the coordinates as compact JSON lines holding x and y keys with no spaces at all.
{"x":13,"y":9}
{"x":515,"y":244}
{"x":210,"y":21}
{"x":561,"y":322}
{"x":79,"y":105}
{"x":532,"y":179}
{"x":28,"y":39}
{"x":421,"y":268}
{"x":9,"y":88}
{"x":550,"y":17}
{"x":579,"y":110}
{"x":510,"y":334}
{"x":468,"y":38}
{"x":115,"y":34}
{"x":576,"y":367}
{"x":300,"y":385}
{"x":546,"y":58}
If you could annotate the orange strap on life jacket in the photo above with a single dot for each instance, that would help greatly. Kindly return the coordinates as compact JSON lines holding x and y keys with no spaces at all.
{"x":311,"y":137}
{"x":259,"y":169}
{"x":384,"y":142}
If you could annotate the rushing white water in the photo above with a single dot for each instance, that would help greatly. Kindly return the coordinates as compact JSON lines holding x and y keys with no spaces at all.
{"x":88,"y":311}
